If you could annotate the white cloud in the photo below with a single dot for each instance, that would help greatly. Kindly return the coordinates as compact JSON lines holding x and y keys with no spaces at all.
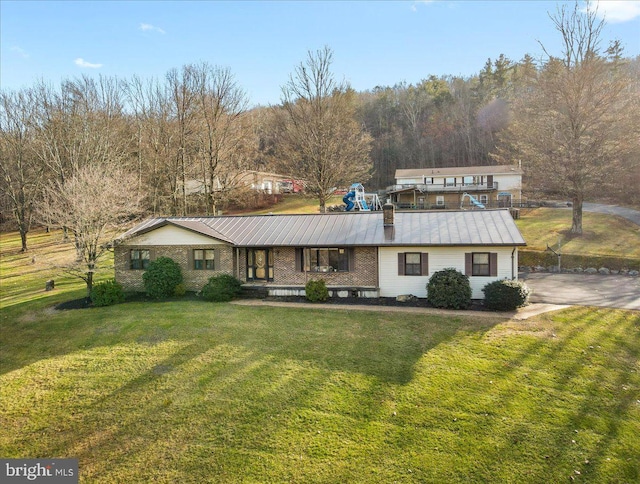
{"x":20,"y":51}
{"x":83,"y":63}
{"x":414,"y":5}
{"x":153,"y":28}
{"x":617,"y":11}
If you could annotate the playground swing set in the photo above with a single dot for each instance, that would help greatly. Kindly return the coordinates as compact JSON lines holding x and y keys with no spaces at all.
{"x":357,"y":199}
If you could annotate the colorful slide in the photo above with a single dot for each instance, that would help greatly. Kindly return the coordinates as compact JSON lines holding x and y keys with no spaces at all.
{"x":348,"y":200}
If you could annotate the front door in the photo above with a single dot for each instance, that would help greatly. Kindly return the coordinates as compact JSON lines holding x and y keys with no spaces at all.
{"x":260,"y":264}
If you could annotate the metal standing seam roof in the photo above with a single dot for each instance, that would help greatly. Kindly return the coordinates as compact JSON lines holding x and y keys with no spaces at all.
{"x":415,"y":228}
{"x":460,"y":171}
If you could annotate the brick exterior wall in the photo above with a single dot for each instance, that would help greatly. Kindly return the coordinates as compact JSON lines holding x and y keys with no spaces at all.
{"x":364,"y":272}
{"x":131,"y":280}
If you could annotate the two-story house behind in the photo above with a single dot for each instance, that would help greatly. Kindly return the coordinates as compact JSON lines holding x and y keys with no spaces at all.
{"x":427,"y":188}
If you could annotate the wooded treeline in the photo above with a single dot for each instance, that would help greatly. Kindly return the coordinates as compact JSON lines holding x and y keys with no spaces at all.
{"x":185,"y":139}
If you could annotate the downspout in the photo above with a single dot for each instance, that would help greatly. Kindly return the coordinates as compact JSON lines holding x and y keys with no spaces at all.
{"x":513,"y":260}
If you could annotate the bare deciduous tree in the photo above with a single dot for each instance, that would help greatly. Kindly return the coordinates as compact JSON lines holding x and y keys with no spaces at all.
{"x":575,"y":123}
{"x":222,"y":134}
{"x":92,"y":203}
{"x":20,"y":170}
{"x":320,"y":140}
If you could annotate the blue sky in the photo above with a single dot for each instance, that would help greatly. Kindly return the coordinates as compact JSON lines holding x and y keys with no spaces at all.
{"x":375,"y":43}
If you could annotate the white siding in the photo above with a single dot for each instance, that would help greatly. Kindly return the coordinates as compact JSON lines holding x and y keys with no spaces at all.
{"x":172,"y":235}
{"x":509,"y":183}
{"x":392,"y":285}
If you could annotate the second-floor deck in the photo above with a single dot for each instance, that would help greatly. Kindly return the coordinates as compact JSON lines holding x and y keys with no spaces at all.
{"x":443,"y":187}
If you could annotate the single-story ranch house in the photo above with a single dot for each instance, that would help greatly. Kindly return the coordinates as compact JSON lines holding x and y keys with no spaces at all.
{"x":362,"y":254}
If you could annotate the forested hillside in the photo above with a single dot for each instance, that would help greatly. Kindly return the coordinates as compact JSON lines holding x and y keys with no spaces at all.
{"x":180,"y":143}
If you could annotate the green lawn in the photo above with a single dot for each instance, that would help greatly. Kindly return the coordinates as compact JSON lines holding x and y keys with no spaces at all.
{"x":298,"y":203}
{"x":195,"y":392}
{"x":603,"y":235}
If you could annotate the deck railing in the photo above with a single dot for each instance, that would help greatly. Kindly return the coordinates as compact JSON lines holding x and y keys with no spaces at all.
{"x":444,"y":187}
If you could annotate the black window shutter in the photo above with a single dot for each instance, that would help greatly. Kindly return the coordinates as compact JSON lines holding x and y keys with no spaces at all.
{"x":401,"y":263}
{"x":299,"y":260}
{"x":352,"y":258}
{"x":424,"y":263}
{"x":493,"y":264}
{"x":468,"y":264}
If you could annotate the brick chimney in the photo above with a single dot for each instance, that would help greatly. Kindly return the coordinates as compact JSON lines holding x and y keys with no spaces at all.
{"x":388,"y":214}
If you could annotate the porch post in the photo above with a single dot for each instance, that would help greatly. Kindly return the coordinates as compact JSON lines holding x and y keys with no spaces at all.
{"x":306,"y":257}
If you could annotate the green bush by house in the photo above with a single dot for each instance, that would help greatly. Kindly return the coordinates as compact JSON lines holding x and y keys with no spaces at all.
{"x":316,"y":291}
{"x":107,"y":293}
{"x":180,"y":290}
{"x":162,"y":277}
{"x":221,"y":288}
{"x":506,"y":295}
{"x":450,"y":289}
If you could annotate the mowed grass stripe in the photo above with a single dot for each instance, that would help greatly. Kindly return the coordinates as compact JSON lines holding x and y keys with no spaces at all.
{"x":220,"y":393}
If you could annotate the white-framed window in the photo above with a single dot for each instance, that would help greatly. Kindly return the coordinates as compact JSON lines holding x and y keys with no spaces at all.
{"x":484,"y":199}
{"x":480,"y":264}
{"x":413,"y":264}
{"x":439,"y":200}
{"x":450,"y":182}
{"x":468,"y":180}
{"x":139,"y":259}
{"x":203,"y":259}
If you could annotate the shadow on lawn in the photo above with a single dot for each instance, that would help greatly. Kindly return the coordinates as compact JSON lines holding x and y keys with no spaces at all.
{"x":242,"y":393}
{"x":383,"y":345}
{"x":582,"y":406}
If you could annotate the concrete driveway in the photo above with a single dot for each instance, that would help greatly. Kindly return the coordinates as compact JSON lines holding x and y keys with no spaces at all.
{"x":584,"y":289}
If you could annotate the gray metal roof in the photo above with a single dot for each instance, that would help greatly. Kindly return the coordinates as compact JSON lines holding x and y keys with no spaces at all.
{"x":460,"y":171}
{"x":415,"y":228}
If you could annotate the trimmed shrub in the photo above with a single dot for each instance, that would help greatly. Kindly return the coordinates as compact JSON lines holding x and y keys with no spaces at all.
{"x":221,"y":288}
{"x":107,"y":293}
{"x":449,"y":289}
{"x":162,"y":277}
{"x":506,"y":295}
{"x":316,"y":291}
{"x":180,"y":290}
